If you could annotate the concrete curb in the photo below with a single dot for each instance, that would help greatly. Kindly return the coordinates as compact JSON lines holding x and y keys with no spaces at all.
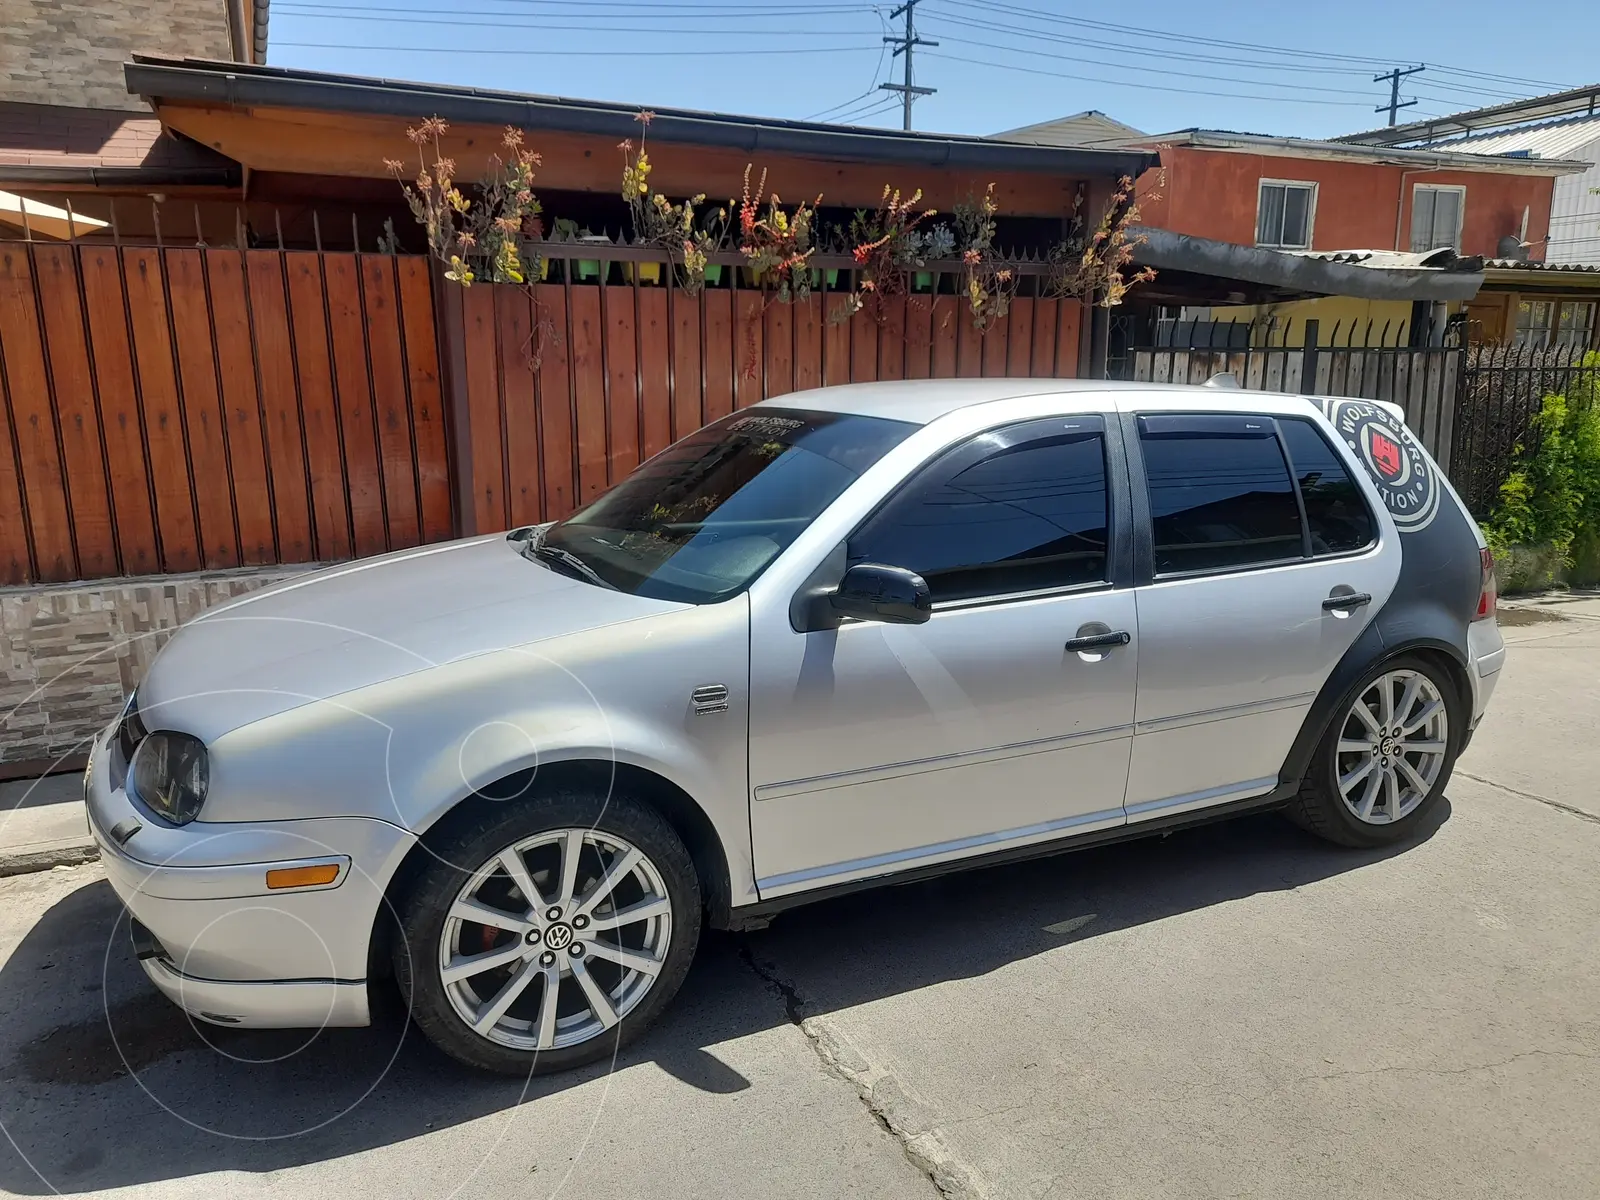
{"x":41,"y":856}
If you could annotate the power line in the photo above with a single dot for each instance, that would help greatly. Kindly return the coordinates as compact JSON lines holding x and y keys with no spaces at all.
{"x":857,"y":118}
{"x":1449,"y":70}
{"x":904,"y":45}
{"x":519,"y":18}
{"x":587,"y":27}
{"x":744,"y":9}
{"x":872,"y":88}
{"x":964,"y":41}
{"x":853,"y":102}
{"x":1181,"y":55}
{"x":1394,"y":77}
{"x":1208,"y":58}
{"x":573,"y":53}
{"x":1142,"y":85}
{"x":1231,"y":44}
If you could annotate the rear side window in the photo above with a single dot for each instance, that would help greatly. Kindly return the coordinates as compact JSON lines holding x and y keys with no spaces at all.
{"x":1028,"y":517}
{"x":1220,"y":493}
{"x":1338,"y":516}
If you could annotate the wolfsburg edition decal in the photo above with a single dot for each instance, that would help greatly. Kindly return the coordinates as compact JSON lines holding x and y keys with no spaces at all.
{"x":1405,"y":476}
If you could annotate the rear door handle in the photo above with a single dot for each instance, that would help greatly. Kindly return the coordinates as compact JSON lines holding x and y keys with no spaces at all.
{"x":1099,"y":641}
{"x":1346,"y":600}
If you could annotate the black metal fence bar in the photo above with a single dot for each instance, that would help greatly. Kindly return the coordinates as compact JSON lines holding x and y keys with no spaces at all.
{"x":1501,"y":393}
{"x":1362,"y":359}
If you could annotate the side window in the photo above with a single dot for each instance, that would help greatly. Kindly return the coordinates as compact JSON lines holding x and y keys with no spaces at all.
{"x":1220,"y":493}
{"x":1025,"y":518}
{"x":1335,"y":510}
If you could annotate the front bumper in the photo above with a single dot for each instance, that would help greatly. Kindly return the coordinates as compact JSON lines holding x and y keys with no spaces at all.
{"x":215,"y":939}
{"x":274,"y":1004}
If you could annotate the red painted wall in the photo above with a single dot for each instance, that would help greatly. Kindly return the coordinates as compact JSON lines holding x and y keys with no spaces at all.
{"x":1212,"y":193}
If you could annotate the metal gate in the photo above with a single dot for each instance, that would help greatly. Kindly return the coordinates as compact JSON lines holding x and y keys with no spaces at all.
{"x":1367,"y":360}
{"x":1502,"y":390}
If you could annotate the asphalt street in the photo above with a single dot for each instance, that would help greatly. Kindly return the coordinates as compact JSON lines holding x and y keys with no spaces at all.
{"x":1237,"y":1010}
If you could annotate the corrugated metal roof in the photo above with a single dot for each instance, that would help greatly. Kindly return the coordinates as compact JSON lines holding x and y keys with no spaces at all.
{"x":1549,"y":139}
{"x":1442,"y":258}
{"x":1582,"y":100}
{"x":1516,"y":264}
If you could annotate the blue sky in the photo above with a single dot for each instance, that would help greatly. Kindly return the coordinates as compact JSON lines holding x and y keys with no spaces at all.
{"x":1265,"y":66}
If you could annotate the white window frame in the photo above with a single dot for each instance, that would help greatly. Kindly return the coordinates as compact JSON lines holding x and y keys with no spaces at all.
{"x":1311,"y":212}
{"x":1461,"y":208}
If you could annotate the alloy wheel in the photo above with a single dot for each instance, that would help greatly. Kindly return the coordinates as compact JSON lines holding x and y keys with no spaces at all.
{"x":1392,"y":747}
{"x":555,"y":939}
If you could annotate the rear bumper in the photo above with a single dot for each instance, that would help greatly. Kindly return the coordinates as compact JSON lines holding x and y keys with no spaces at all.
{"x":1486,"y":654}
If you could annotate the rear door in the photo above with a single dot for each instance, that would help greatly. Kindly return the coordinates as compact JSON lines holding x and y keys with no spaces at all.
{"x":1265,"y":562}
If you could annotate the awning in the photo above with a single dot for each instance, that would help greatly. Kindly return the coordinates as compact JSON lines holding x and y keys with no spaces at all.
{"x":1302,"y":275}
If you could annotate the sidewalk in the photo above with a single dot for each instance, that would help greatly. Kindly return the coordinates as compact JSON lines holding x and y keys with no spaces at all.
{"x":42,"y":824}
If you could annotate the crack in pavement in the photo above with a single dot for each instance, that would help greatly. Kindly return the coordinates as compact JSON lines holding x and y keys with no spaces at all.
{"x":1569,"y":809}
{"x":886,"y":1101}
{"x":1488,"y":1066}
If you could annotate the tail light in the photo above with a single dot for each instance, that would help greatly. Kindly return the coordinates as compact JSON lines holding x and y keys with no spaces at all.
{"x":1489,"y":591}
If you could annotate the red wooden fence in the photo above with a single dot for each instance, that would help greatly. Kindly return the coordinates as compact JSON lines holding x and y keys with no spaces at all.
{"x":623,"y":371}
{"x":167,"y":410}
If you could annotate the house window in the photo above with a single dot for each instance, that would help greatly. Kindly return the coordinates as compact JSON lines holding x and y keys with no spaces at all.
{"x":1436,"y":216}
{"x":1576,"y":323}
{"x":1534,"y":321}
{"x":1284,"y":211}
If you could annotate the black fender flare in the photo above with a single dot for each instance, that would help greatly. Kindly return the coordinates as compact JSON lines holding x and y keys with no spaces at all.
{"x":1380,"y":642}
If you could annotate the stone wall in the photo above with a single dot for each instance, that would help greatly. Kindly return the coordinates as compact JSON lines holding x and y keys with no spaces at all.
{"x":70,"y":654}
{"x":71,"y":52}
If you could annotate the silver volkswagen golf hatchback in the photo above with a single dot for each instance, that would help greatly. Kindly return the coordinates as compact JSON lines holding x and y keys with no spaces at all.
{"x":849,"y":637}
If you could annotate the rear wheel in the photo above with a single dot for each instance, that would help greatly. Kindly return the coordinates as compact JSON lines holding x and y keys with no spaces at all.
{"x":1386,"y":758}
{"x":545,"y":935}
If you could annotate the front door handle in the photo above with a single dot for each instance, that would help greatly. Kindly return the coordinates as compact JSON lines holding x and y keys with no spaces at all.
{"x":1345,"y":601}
{"x":1099,"y":641}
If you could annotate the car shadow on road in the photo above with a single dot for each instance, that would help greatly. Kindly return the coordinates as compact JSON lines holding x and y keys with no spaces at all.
{"x":109,"y":1085}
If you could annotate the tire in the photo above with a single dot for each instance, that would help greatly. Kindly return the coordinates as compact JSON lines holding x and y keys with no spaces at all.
{"x":1323,"y":808}
{"x":531,"y":947}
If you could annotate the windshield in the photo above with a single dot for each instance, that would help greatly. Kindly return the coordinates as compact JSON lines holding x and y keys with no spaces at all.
{"x":703,"y":518}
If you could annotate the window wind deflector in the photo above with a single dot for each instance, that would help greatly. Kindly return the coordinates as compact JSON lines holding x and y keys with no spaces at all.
{"x":1206,"y":425}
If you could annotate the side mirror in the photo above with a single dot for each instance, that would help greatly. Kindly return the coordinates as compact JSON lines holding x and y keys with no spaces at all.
{"x":872,"y":592}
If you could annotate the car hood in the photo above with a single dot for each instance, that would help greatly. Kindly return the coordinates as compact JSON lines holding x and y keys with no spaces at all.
{"x":331,"y":632}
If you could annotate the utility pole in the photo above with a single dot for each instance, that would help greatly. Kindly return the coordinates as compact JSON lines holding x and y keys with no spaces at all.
{"x":1394,"y":77}
{"x":902,"y":45}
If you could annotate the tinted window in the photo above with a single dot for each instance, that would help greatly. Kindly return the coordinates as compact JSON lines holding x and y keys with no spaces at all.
{"x":704,"y":517}
{"x":1335,"y":511}
{"x":1219,"y":500}
{"x":1023,"y":519}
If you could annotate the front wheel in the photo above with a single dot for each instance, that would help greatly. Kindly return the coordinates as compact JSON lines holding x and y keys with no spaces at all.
{"x":1386,"y":757}
{"x":548,"y":933}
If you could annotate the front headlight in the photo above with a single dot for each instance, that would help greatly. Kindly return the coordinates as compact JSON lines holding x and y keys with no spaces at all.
{"x":170,"y":774}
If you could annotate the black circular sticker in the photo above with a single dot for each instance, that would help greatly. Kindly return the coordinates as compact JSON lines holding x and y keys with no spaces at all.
{"x":1405,"y":476}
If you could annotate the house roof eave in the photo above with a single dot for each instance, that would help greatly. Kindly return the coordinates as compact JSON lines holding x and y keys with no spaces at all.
{"x":164,"y":80}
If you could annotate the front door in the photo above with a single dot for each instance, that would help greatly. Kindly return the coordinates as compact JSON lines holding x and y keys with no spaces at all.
{"x":1259,"y":530}
{"x":876,"y":747}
